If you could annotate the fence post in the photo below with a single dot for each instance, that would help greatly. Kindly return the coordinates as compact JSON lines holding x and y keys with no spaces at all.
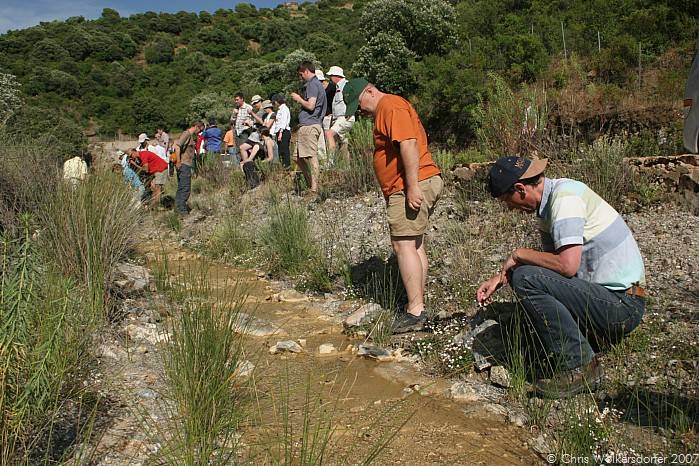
{"x":639,"y":65}
{"x":599,"y":43}
{"x":565,"y":50}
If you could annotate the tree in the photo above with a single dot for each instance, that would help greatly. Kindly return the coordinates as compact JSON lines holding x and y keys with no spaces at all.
{"x":386,"y":62}
{"x":160,"y":50}
{"x":47,"y":50}
{"x":207,"y":105}
{"x":10,"y":97}
{"x":426,"y":26}
{"x":56,"y":131}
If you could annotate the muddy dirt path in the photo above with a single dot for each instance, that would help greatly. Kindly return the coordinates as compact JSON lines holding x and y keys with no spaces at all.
{"x":368,"y":398}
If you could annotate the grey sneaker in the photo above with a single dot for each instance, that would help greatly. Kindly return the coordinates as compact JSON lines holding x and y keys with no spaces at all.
{"x":405,"y":322}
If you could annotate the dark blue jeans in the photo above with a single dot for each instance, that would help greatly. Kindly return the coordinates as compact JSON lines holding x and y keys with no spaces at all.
{"x":569,"y":313}
{"x":184,"y":186}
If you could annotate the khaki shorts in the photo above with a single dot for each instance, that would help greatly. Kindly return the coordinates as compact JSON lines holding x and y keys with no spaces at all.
{"x":160,"y":177}
{"x":307,"y":141}
{"x":326,"y":122}
{"x":342,"y":126}
{"x":404,"y":221}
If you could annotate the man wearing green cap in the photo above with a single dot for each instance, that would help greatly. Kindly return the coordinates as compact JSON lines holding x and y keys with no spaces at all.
{"x":410,"y":181}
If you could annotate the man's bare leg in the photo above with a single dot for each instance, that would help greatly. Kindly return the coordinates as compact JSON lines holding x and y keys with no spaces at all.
{"x":155,"y":195}
{"x":411,"y":268}
{"x":330,"y":140}
{"x":315,"y":172}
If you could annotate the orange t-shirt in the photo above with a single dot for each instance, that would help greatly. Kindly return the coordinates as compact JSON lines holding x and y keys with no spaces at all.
{"x":395,"y":120}
{"x":228,"y":138}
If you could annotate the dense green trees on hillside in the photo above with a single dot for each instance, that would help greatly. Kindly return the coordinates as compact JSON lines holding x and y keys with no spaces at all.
{"x":129,"y":73}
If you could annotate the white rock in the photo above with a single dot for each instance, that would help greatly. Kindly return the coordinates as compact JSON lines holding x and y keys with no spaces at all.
{"x":244,"y":369}
{"x":363,"y":315}
{"x":327,"y":348}
{"x":461,"y":391}
{"x":500,"y":376}
{"x":287,"y":345}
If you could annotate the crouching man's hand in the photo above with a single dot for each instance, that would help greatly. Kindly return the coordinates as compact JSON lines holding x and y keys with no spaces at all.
{"x":488,"y":287}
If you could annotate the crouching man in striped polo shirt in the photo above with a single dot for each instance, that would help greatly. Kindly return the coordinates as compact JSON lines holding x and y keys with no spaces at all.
{"x":586,"y":284}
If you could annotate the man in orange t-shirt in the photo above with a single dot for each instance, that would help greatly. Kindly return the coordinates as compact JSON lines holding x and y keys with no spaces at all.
{"x":410,"y":182}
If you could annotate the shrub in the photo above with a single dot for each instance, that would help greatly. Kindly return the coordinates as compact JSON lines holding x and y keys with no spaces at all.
{"x":229,"y":240}
{"x":603,"y":169}
{"x":287,"y":239}
{"x":160,"y":49}
{"x":88,"y":229}
{"x":510,"y":124}
{"x":24,"y":167}
{"x":355,"y":175}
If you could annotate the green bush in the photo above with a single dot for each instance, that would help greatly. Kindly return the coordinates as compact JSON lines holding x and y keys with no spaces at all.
{"x":160,"y":50}
{"x":511,"y":124}
{"x":603,"y":169}
{"x":24,"y":168}
{"x":229,"y":240}
{"x":287,"y":239}
{"x":354,"y":175}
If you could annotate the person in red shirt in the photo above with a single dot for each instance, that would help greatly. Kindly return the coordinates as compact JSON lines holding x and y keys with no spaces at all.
{"x":155,"y":167}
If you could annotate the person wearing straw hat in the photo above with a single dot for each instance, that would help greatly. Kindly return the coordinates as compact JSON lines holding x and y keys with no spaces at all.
{"x":411,"y":184}
{"x":584,"y":288}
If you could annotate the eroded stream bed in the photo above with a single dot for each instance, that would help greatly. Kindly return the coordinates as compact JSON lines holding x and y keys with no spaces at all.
{"x":364,"y":398}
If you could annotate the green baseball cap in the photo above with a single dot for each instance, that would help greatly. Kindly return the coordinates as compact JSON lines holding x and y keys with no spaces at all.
{"x":351,"y":92}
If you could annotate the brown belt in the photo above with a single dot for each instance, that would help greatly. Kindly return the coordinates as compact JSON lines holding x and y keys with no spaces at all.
{"x":636,"y":290}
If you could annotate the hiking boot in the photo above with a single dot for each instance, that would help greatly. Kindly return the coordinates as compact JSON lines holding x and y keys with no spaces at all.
{"x":406,"y":322}
{"x":571,"y":382}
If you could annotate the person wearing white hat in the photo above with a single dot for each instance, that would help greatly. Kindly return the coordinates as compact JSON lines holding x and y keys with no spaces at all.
{"x":259,"y":114}
{"x":142,"y":141}
{"x":329,"y":93}
{"x":340,"y":125}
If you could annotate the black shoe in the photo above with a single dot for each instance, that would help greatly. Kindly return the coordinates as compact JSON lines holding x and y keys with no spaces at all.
{"x":406,"y":322}
{"x":571,"y":382}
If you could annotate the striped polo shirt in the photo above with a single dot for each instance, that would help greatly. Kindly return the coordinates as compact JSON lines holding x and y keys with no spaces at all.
{"x":572,"y":213}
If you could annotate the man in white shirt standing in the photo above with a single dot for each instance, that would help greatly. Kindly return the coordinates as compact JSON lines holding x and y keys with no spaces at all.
{"x":340,"y":125}
{"x":241,"y":120}
{"x":282,"y":129}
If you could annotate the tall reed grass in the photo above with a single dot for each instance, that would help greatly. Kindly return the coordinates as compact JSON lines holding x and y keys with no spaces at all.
{"x":287,"y":239}
{"x":45,"y":339}
{"x":88,"y":229}
{"x":205,"y":398}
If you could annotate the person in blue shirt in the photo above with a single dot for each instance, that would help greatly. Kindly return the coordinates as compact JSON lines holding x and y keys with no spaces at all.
{"x":132,"y":179}
{"x":214,"y":138}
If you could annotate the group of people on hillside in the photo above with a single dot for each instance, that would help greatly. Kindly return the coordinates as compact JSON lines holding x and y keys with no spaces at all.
{"x":146,"y":166}
{"x":583,"y":289}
